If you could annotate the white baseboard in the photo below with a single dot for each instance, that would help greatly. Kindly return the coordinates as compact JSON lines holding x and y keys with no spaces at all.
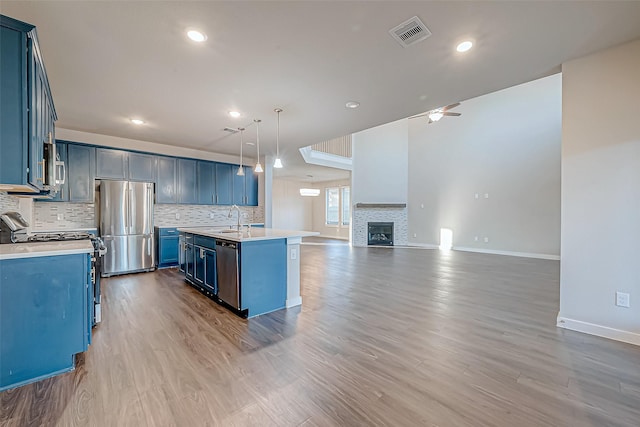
{"x":424,"y":245}
{"x":598,"y":330}
{"x":326,"y":236}
{"x":508,"y":253}
{"x":293,"y":302}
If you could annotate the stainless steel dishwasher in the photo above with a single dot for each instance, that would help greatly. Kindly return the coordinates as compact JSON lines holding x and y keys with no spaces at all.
{"x":228,"y":275}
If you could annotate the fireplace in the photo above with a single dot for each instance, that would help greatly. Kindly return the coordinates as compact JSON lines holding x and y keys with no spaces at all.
{"x":380,"y":233}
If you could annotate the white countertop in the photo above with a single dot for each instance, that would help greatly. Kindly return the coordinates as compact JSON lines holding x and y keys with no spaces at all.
{"x":37,"y":249}
{"x":218,"y":226}
{"x":60,"y":230}
{"x":256,"y":233}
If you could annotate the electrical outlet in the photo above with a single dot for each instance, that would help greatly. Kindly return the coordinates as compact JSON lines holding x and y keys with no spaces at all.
{"x":486,"y":240}
{"x":422,"y":205}
{"x":477,"y":196}
{"x":60,"y":217}
{"x":415,"y":234}
{"x":622,"y":299}
{"x":476,"y":238}
{"x":211,"y":215}
{"x":486,"y":195}
{"x":177,"y":215}
{"x":294,"y":253}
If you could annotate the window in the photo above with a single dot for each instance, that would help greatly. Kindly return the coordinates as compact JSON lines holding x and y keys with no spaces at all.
{"x":346,"y":205}
{"x":333,"y":206}
{"x":338,"y":206}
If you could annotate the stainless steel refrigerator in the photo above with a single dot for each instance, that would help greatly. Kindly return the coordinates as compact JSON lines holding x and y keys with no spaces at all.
{"x":126,"y":226}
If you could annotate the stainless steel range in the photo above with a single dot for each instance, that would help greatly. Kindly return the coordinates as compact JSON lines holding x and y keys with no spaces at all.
{"x":13,"y":231}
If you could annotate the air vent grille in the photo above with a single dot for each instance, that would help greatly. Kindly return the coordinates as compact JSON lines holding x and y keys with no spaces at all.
{"x":410,"y":32}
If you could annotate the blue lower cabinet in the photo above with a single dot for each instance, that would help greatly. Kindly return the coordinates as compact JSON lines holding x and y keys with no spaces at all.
{"x":167,"y":247}
{"x":210,"y":272}
{"x":204,"y":265}
{"x":189,"y":261}
{"x":182,"y":256}
{"x":199,"y":265}
{"x":44,"y":316}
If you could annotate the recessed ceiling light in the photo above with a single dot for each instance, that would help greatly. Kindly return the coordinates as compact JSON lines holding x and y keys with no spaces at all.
{"x":137,"y":121}
{"x":464,"y":46}
{"x":234,"y":114}
{"x":352,"y":104}
{"x":196,"y":36}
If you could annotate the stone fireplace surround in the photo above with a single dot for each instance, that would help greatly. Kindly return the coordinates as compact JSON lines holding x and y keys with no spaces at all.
{"x":363,"y":213}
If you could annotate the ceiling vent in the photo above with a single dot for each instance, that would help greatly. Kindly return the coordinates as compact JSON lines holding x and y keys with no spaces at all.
{"x":410,"y":32}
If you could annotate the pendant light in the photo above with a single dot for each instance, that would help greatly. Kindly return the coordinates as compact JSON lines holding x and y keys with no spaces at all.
{"x":258,"y":168}
{"x":241,"y":168}
{"x":278,"y":163}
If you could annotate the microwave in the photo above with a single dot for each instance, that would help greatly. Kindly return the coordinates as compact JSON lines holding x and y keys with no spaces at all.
{"x":54,"y":168}
{"x":53,"y":174}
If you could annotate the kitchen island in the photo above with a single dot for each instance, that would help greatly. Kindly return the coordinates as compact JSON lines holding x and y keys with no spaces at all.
{"x":253,"y":271}
{"x":45,"y":300}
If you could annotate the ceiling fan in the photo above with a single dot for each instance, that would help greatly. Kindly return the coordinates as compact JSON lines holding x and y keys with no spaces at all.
{"x":438,"y":113}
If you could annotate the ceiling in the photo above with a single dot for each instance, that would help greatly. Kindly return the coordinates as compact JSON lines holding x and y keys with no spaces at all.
{"x":109,"y":61}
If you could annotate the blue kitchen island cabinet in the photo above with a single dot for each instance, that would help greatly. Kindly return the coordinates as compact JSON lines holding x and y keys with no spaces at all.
{"x":45,"y":298}
{"x":257,"y":269}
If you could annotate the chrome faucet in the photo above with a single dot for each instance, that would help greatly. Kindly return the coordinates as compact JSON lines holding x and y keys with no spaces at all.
{"x":239,"y":213}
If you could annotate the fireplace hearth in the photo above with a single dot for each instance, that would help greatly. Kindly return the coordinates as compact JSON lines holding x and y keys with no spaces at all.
{"x":380,"y":233}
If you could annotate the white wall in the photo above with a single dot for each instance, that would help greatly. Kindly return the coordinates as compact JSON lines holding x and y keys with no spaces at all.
{"x":505,"y":145}
{"x":291,"y":211}
{"x":319,"y":211}
{"x":601,"y":192}
{"x":380,"y":164}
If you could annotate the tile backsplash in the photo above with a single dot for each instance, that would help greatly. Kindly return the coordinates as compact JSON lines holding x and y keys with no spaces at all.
{"x":8,"y":203}
{"x":68,"y":216}
{"x":199,"y":215}
{"x":64,"y":216}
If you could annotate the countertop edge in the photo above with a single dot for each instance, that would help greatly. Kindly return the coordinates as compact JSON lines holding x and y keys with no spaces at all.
{"x":258,"y":234}
{"x":39,"y":249}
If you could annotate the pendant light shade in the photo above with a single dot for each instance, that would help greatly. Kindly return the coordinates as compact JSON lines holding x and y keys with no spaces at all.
{"x":241,"y":167}
{"x":258,"y":168}
{"x":278,"y":163}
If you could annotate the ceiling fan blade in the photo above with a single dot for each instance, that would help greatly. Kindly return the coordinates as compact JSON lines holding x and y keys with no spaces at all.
{"x":449,"y":107}
{"x":419,"y":115}
{"x":451,"y":114}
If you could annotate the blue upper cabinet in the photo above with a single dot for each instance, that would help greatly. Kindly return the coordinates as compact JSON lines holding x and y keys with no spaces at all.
{"x":251,"y":187}
{"x":166,"y":180}
{"x":245,"y":188}
{"x":28,"y":115}
{"x":187,"y":182}
{"x":224,"y":184}
{"x":238,"y":186}
{"x":206,"y":182}
{"x":142,"y":167}
{"x":80,"y":173}
{"x":111,"y":164}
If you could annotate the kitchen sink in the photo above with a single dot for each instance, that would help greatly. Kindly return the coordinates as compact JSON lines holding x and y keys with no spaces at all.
{"x":228,"y":231}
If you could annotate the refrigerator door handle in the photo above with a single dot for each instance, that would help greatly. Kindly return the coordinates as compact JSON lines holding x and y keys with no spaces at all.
{"x":127,"y":201}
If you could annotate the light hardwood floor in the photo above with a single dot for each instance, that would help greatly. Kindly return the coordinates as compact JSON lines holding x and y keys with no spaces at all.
{"x":385,"y":337}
